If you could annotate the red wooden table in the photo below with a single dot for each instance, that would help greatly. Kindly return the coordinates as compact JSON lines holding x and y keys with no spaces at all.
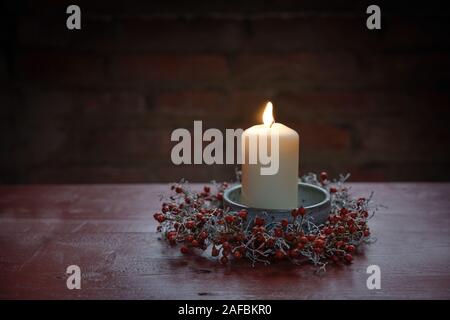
{"x":109,"y":232}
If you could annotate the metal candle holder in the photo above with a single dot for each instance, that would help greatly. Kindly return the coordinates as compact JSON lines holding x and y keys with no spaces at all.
{"x":314,"y":199}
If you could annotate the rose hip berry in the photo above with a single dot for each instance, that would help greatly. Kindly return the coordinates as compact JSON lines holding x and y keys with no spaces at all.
{"x":194,"y":243}
{"x":301,"y":211}
{"x":229,"y":219}
{"x":190,"y":224}
{"x":243,"y":214}
{"x":279,"y":254}
{"x":259,"y":221}
{"x":184,"y":249}
{"x":224,"y":260}
{"x":178,"y":190}
{"x":348,"y":257}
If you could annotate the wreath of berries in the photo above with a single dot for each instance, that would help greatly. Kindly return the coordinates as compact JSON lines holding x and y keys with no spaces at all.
{"x":198,"y":221}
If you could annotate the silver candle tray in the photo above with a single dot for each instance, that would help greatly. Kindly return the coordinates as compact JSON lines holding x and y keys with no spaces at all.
{"x":314,"y":199}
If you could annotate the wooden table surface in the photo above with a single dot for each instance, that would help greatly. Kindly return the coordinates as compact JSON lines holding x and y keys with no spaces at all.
{"x":109,"y":231}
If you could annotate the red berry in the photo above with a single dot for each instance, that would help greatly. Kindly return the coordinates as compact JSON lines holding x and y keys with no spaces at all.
{"x":259,"y":221}
{"x":279,"y":254}
{"x":311,"y":237}
{"x":333,"y":190}
{"x":343,"y":211}
{"x":351,"y":248}
{"x":300,"y":245}
{"x":189,"y":238}
{"x":319,"y":243}
{"x":340,"y":229}
{"x":229,"y":219}
{"x":335,"y":259}
{"x":203,"y":235}
{"x":224,"y":260}
{"x":237,"y":254}
{"x":184,"y":249}
{"x":303,"y":239}
{"x":294,"y":213}
{"x":190,"y":224}
{"x":340,"y":244}
{"x":284,"y":223}
{"x":206,"y":189}
{"x":278,"y":232}
{"x":171,"y":236}
{"x":219,"y":196}
{"x":323,"y":176}
{"x":270,"y":243}
{"x":348,"y":257}
{"x":260,"y":238}
{"x":165,"y":209}
{"x":293,"y":253}
{"x":366,"y":233}
{"x":258,"y":229}
{"x":318,"y":250}
{"x":178,"y":190}
{"x":194,"y":243}
{"x":301,"y":211}
{"x":243,"y":214}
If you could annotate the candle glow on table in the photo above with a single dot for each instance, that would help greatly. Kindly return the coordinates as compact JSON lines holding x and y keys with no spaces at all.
{"x":270,"y":191}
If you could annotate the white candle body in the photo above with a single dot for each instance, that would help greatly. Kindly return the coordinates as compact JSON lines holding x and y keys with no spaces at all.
{"x":278,"y":191}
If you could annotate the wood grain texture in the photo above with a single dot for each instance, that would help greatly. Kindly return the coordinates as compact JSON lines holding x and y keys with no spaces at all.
{"x":108,"y":230}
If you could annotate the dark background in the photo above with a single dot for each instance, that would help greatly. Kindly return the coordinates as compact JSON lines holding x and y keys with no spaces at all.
{"x":99,"y":104}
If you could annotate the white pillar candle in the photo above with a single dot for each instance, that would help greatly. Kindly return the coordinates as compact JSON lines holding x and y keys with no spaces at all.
{"x":272,"y":191}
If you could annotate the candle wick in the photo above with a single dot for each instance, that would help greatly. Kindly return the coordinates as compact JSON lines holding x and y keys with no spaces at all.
{"x":272,"y":124}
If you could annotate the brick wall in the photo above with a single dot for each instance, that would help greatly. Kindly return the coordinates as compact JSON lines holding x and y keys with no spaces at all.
{"x":99,"y":104}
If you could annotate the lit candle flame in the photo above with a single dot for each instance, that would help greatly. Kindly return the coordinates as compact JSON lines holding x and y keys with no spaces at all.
{"x":267,"y":115}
